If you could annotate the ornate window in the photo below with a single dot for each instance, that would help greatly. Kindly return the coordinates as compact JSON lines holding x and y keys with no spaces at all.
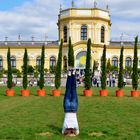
{"x":65,"y":33}
{"x":128,"y":62}
{"x":115,"y":61}
{"x":102,"y":34}
{"x":81,"y":59}
{"x":1,"y":63}
{"x":52,"y":61}
{"x":13,"y":62}
{"x":84,"y":32}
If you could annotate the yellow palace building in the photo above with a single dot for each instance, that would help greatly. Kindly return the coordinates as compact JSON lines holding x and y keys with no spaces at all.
{"x":79,"y":24}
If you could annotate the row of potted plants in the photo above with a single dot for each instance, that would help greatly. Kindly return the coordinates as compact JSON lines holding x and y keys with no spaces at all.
{"x":120,"y":91}
{"x":41,"y":91}
{"x":87,"y":91}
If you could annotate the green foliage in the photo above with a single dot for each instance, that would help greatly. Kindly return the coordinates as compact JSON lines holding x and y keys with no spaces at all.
{"x":30,"y":69}
{"x":87,"y":70}
{"x":25,"y":69}
{"x":14,"y":71}
{"x":128,"y":70}
{"x":120,"y":79}
{"x":18,"y":74}
{"x":41,"y":83}
{"x":9,"y":80}
{"x":1,"y":74}
{"x":135,"y":67}
{"x":58,"y":67}
{"x":46,"y":70}
{"x":108,"y":67}
{"x":94,"y":67}
{"x":36,"y":73}
{"x":52,"y":69}
{"x":70,"y":54}
{"x":103,"y":69}
{"x":113,"y":68}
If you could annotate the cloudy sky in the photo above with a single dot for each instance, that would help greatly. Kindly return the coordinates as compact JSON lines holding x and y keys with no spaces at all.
{"x":38,"y":18}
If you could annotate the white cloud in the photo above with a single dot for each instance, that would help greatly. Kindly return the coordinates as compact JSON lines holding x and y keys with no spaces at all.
{"x":39,"y":17}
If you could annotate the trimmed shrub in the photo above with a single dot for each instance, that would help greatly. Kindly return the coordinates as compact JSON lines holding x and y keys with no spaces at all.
{"x":87,"y":70}
{"x":135,"y":67}
{"x":103,"y":69}
{"x":58,"y":67}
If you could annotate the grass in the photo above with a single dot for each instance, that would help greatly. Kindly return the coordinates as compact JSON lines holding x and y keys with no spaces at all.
{"x":41,"y":118}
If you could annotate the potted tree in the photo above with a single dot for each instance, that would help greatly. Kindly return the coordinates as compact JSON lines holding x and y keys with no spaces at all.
{"x":103,"y":91}
{"x":120,"y":92}
{"x":56,"y":91}
{"x":25,"y":92}
{"x":134,"y":92}
{"x":88,"y":91}
{"x":9,"y":91}
{"x":41,"y":91}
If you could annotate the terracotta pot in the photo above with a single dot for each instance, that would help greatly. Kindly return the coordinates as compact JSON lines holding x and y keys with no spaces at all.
{"x":134,"y":93}
{"x":41,"y":92}
{"x":25,"y":92}
{"x":87,"y":93}
{"x":119,"y":93}
{"x":10,"y":92}
{"x":104,"y":93}
{"x":56,"y":92}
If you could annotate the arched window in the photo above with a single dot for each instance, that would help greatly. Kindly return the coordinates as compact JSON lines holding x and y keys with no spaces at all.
{"x":128,"y":62}
{"x":65,"y":33}
{"x":115,"y":61}
{"x":84,"y":32}
{"x":13,"y":62}
{"x":65,"y":63}
{"x":102,"y":34}
{"x":38,"y":62}
{"x":52,"y":61}
{"x":81,"y":59}
{"x":1,"y":63}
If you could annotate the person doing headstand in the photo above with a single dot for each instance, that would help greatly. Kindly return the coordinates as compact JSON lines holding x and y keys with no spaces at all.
{"x":70,"y":104}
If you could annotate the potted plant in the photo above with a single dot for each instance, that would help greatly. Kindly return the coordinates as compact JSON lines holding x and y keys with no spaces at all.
{"x":135,"y":92}
{"x":120,"y":92}
{"x":56,"y":91}
{"x":88,"y":91}
{"x":103,"y":91}
{"x":9,"y":91}
{"x":41,"y":91}
{"x":25,"y":92}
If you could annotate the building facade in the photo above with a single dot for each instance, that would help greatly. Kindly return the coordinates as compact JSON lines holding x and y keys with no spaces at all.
{"x":79,"y":24}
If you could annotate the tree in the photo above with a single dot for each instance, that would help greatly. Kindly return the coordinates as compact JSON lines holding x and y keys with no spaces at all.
{"x":120,"y":79}
{"x":58,"y":67}
{"x":135,"y":66}
{"x":103,"y":69}
{"x":25,"y":69}
{"x":41,"y":83}
{"x":87,"y":70}
{"x":108,"y":66}
{"x":94,"y":67}
{"x":70,"y":54}
{"x":9,"y":80}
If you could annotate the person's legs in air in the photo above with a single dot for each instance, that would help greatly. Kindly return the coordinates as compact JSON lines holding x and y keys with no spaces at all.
{"x":67,"y":97}
{"x":74,"y":98}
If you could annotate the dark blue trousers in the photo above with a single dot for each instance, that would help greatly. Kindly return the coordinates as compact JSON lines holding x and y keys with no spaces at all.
{"x":70,"y":100}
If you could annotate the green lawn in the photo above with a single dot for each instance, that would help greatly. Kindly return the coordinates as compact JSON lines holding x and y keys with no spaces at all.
{"x":41,"y":118}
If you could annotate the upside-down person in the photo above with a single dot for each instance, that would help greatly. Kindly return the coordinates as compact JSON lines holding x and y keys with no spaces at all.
{"x":70,"y":125}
